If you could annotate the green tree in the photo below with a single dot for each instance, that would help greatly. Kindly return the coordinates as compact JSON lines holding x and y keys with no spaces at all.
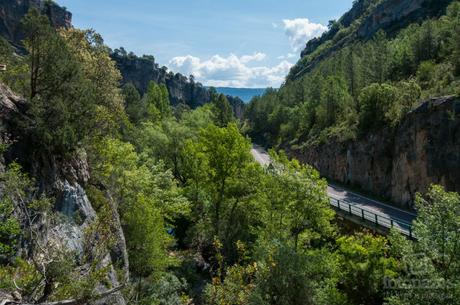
{"x":222,"y":179}
{"x":289,"y":277}
{"x":425,"y":44}
{"x":430,"y":265}
{"x":223,"y":110}
{"x":237,"y":284}
{"x":148,"y":201}
{"x":334,"y":100}
{"x":377,"y":106}
{"x":16,"y":73}
{"x":57,"y":95}
{"x":9,"y":224}
{"x":101,"y":78}
{"x":6,"y":51}
{"x":296,"y":205}
{"x":365,"y":263}
{"x":378,"y":70}
{"x":166,"y":141}
{"x":453,"y":13}
{"x":73,"y":86}
{"x":157,"y":101}
{"x":409,"y":95}
{"x":133,"y":105}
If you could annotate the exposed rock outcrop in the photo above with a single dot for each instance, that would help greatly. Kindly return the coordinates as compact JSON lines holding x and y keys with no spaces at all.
{"x":141,"y":70}
{"x":423,"y":150}
{"x":63,"y":179}
{"x":9,"y":106}
{"x":182,"y":90}
{"x":12,"y":12}
{"x":70,"y":233}
{"x":392,"y":15}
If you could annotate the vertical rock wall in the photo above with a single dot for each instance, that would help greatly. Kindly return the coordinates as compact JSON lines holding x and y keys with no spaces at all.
{"x":396,"y":164}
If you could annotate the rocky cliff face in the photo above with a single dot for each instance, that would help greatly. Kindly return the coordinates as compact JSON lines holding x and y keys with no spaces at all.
{"x":423,"y":150}
{"x":182,"y":90}
{"x":64,"y":180}
{"x":12,"y":12}
{"x":392,"y":15}
{"x":141,"y":70}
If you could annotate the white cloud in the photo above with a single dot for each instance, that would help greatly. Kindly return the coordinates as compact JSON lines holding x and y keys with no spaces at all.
{"x":287,"y":56}
{"x":300,"y":30}
{"x":232,"y":71}
{"x":255,"y":57}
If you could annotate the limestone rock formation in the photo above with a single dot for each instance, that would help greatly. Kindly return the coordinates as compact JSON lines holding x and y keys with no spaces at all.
{"x":182,"y":90}
{"x":9,"y":106}
{"x":392,"y":15}
{"x":12,"y":11}
{"x":423,"y":150}
{"x":141,"y":70}
{"x":63,"y":179}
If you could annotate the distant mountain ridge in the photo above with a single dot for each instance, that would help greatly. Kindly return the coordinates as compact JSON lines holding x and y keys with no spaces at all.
{"x":246,"y":94}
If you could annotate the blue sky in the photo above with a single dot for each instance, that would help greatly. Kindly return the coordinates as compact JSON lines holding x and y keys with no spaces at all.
{"x":236,"y":43}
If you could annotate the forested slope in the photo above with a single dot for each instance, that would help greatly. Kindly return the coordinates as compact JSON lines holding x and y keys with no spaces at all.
{"x":362,"y":22}
{"x":353,"y":90}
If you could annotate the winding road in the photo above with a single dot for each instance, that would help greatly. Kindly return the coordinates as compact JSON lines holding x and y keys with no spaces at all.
{"x":359,"y":208}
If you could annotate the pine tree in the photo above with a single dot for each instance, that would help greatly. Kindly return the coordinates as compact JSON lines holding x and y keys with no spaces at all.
{"x":223,"y":110}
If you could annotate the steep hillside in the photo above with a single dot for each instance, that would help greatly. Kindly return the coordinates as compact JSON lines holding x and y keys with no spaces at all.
{"x":141,"y":70}
{"x":366,"y":18}
{"x":108,"y":197}
{"x":61,"y":223}
{"x":349,"y":104}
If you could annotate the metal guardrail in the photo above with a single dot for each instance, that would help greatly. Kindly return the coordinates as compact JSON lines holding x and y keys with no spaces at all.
{"x":402,"y":226}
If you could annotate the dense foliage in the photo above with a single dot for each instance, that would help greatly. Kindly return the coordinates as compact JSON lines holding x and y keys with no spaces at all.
{"x":70,"y":100}
{"x":203,"y":222}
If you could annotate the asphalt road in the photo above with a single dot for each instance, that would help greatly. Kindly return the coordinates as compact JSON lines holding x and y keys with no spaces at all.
{"x":260,"y":154}
{"x":355,"y":200}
